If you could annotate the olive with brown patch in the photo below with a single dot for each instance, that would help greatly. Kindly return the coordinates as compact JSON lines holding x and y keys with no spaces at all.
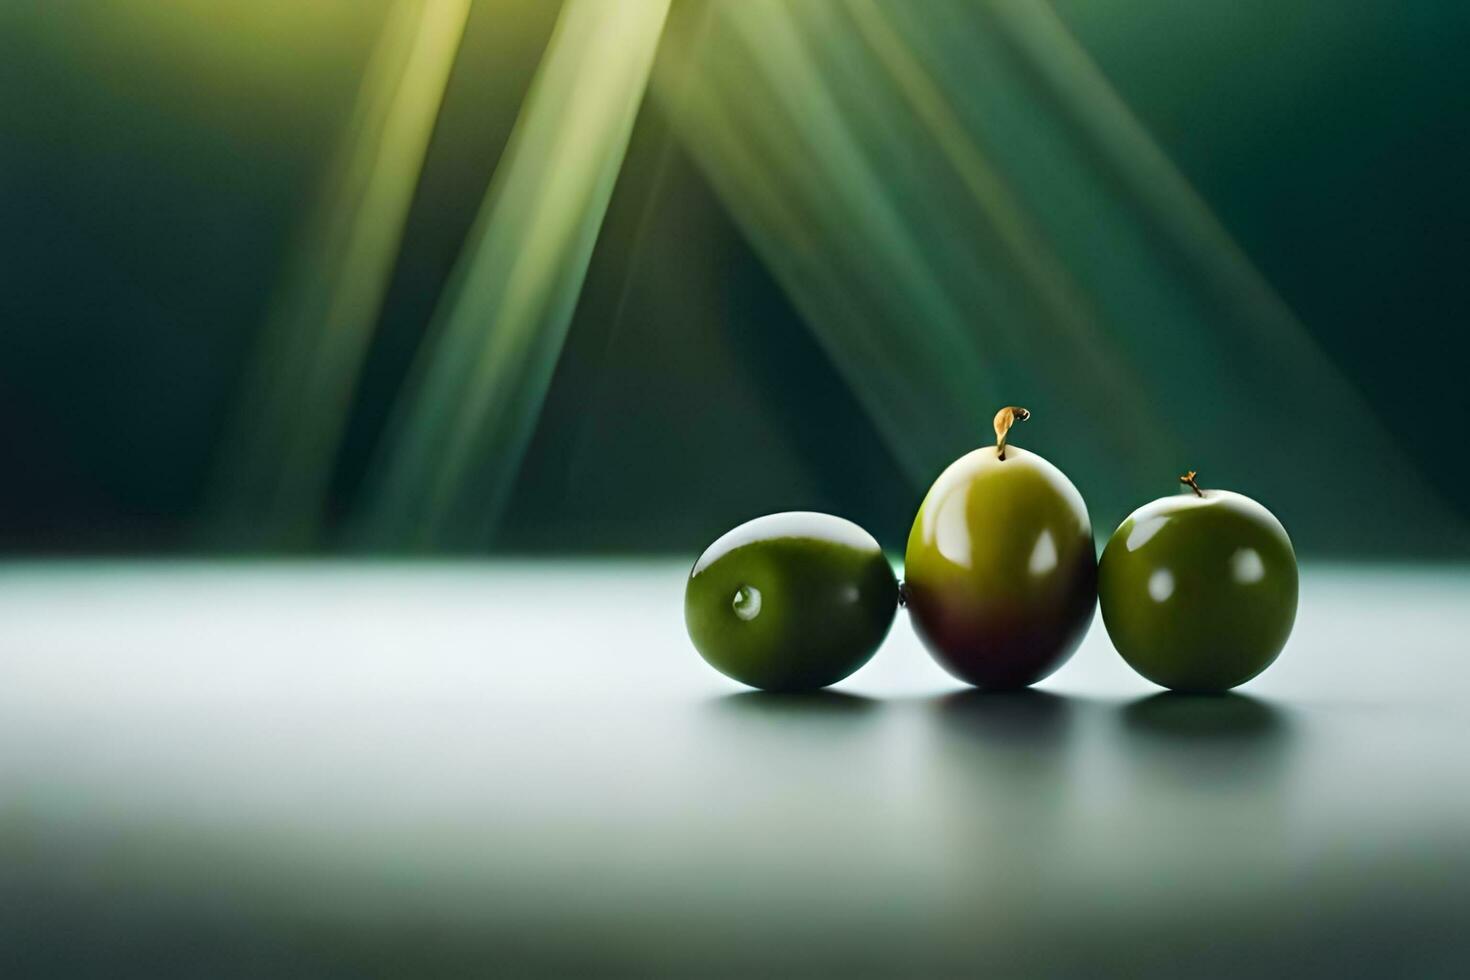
{"x":1000,"y":574}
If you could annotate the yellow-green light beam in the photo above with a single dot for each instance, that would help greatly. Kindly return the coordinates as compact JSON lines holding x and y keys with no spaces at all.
{"x":277,"y":459}
{"x":454,"y":445}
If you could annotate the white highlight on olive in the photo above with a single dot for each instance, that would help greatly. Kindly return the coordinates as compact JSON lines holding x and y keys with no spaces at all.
{"x":791,"y":524}
{"x":953,"y":519}
{"x":1143,"y":530}
{"x":747,"y":602}
{"x":1152,"y":517}
{"x":1247,"y":567}
{"x":1161,"y":585}
{"x":1044,"y":555}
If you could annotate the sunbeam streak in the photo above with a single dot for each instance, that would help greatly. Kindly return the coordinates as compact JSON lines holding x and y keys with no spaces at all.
{"x":277,"y":461}
{"x":967,"y":215}
{"x":453,"y":448}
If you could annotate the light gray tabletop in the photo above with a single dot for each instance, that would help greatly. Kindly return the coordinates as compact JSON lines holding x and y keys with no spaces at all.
{"x":508,"y":769}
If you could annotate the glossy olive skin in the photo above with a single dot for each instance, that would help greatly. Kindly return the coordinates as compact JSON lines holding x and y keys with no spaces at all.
{"x":1199,"y":593}
{"x":790,"y":602}
{"x":1001,"y":570}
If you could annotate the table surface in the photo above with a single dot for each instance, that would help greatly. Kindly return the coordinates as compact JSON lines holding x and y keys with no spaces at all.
{"x":414,"y":770}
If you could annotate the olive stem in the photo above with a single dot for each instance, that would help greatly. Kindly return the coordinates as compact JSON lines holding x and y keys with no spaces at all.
{"x":1004,"y":419}
{"x":1188,"y":480}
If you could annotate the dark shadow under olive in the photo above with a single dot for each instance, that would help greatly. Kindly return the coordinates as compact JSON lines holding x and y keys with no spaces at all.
{"x":794,"y":704}
{"x":1173,"y":714}
{"x":1023,"y":717}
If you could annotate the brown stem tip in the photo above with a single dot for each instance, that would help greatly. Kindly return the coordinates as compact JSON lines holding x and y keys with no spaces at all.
{"x":1188,"y":480}
{"x":1004,"y":419}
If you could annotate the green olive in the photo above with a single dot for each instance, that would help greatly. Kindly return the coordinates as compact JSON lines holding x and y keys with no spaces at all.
{"x":1001,"y":571}
{"x":790,"y":602}
{"x":1199,"y":590}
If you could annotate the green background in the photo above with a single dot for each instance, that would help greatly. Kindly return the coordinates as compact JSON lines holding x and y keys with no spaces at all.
{"x":155,"y":161}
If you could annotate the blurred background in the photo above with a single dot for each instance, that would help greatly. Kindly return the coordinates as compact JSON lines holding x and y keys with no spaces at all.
{"x":405,"y":276}
{"x":510,"y":278}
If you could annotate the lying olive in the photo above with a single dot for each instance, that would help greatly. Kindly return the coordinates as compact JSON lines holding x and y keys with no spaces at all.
{"x":790,"y":602}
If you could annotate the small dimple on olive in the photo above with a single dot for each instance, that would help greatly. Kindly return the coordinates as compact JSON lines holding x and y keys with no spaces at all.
{"x":747,"y":602}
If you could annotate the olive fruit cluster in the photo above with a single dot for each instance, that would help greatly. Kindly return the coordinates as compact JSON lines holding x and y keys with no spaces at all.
{"x":1001,"y":577}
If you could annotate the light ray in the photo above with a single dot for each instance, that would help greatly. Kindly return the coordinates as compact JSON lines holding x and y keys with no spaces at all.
{"x":966,"y":215}
{"x":454,"y":445}
{"x":277,"y":460}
